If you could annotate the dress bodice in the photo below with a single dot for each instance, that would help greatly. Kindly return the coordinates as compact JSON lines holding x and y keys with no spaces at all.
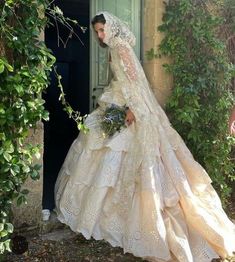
{"x":112,"y":94}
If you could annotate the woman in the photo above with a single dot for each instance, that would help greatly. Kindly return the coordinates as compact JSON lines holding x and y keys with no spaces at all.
{"x":139,"y":189}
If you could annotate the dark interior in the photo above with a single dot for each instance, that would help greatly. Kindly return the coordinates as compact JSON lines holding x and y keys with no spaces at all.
{"x":73,"y":65}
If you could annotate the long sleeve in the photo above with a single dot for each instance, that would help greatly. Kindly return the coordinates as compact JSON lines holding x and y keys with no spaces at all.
{"x":133,"y":81}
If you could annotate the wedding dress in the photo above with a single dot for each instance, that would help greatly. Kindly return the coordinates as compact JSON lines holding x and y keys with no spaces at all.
{"x":141,"y":189}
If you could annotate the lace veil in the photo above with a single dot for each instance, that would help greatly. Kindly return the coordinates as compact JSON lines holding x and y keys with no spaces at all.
{"x":120,"y":40}
{"x":155,"y":138}
{"x":115,"y":28}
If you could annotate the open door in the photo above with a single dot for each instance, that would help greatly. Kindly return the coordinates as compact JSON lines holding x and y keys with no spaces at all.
{"x":84,"y":71}
{"x":126,"y":10}
{"x":72,"y":62}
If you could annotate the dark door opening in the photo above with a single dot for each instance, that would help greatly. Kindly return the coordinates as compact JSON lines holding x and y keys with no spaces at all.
{"x":72,"y":64}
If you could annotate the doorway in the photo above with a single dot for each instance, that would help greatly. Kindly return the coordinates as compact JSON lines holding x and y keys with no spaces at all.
{"x":72,"y":63}
{"x":84,"y":70}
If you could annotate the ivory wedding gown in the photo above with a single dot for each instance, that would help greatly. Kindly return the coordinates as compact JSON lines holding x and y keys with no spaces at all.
{"x":141,"y":189}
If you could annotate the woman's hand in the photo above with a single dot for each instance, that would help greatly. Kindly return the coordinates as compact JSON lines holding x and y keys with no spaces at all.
{"x":130,"y":117}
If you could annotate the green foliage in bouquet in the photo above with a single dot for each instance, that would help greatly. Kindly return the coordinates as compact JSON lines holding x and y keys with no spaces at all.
{"x":113,"y":120}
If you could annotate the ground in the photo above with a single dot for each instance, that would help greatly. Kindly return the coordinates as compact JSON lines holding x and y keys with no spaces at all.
{"x":62,"y":245}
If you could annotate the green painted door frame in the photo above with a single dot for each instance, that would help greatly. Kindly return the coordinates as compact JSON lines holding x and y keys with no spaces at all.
{"x":130,"y":12}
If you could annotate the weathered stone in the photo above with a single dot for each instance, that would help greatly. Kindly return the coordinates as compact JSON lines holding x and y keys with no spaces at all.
{"x":59,"y":235}
{"x":160,"y":81}
{"x":52,"y":224}
{"x":29,"y":215}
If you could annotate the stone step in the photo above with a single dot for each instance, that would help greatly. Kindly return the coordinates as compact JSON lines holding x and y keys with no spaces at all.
{"x":52,"y":224}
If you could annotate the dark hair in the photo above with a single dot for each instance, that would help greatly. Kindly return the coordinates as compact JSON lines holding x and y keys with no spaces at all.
{"x":98,"y":19}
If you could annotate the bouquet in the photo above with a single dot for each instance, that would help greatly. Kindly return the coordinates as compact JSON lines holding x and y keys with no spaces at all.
{"x":113,"y":119}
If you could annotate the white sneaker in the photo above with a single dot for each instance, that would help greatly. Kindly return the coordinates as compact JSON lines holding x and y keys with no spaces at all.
{"x":46,"y":214}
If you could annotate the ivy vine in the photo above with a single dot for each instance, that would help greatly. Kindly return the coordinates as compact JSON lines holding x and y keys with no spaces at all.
{"x":201,"y":98}
{"x":25,"y":66}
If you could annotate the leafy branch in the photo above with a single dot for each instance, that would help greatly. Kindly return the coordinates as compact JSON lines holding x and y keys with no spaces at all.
{"x":25,"y":66}
{"x":75,"y":115}
{"x":58,"y":17}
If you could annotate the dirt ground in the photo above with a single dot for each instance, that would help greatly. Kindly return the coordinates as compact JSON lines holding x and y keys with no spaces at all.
{"x":75,"y":248}
{"x":62,"y":245}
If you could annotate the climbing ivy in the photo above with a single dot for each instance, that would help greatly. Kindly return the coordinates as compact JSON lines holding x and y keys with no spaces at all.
{"x":201,"y":98}
{"x":25,"y":65}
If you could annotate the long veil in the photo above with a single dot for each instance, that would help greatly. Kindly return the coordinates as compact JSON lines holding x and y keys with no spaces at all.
{"x":153,"y":128}
{"x":169,"y":173}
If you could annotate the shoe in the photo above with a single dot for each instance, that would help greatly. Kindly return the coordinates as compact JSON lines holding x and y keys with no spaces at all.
{"x":46,"y":214}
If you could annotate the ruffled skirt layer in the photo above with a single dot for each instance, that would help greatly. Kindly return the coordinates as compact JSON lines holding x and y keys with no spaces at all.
{"x":168,"y":212}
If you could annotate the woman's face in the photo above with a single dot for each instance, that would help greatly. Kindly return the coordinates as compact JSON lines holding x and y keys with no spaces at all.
{"x":99,"y":29}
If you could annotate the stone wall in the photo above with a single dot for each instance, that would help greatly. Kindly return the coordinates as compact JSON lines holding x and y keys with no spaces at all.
{"x":29,"y":215}
{"x":160,"y":81}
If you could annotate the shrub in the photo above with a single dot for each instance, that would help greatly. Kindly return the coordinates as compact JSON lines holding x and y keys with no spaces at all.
{"x":201,"y":98}
{"x":25,"y":63}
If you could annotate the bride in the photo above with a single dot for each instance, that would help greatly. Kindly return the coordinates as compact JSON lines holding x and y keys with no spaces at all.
{"x":140,"y":188}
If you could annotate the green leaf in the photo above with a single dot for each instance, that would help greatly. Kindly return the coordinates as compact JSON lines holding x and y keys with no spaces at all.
{"x":10,"y":149}
{"x":7,"y":245}
{"x":9,"y":67}
{"x":24,"y":192}
{"x":1,"y":226}
{"x":34,"y":175}
{"x":16,"y":168}
{"x":2,"y":136}
{"x":3,"y":233}
{"x":7,"y":156}
{"x":2,"y":247}
{"x":1,"y":68}
{"x":10,"y":185}
{"x":12,"y":172}
{"x":25,"y":73}
{"x":37,"y":155}
{"x":10,"y":227}
{"x":37,"y":167}
{"x":26,"y":169}
{"x":19,"y":88}
{"x":21,"y":200}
